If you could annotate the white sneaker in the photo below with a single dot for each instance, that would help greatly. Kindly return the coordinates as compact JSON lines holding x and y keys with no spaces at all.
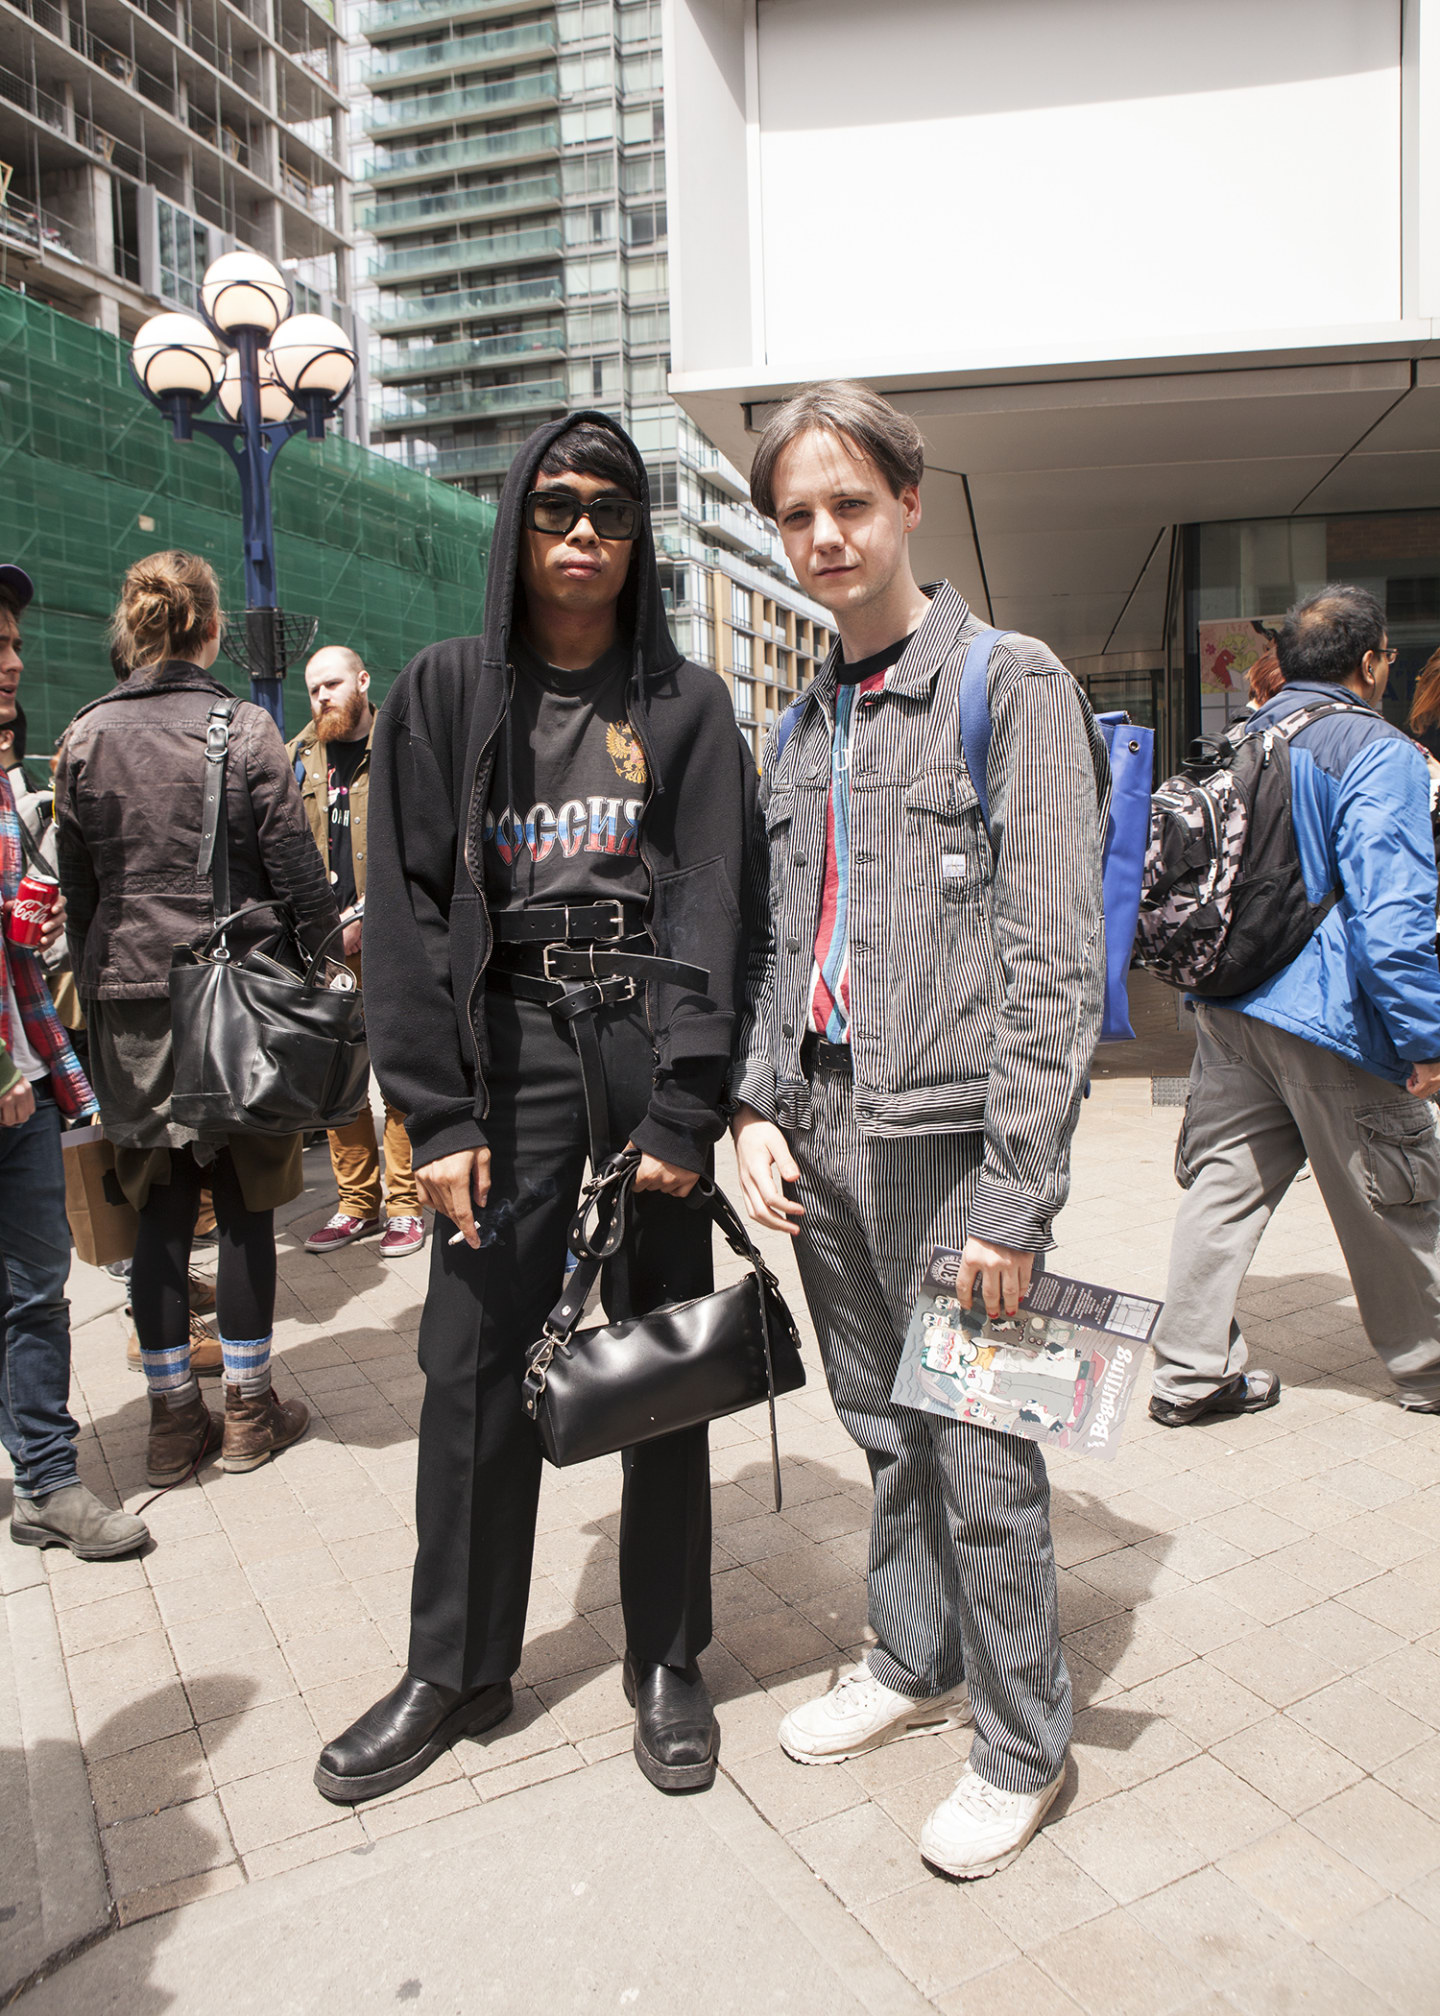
{"x":859,"y":1714}
{"x":979,"y":1829}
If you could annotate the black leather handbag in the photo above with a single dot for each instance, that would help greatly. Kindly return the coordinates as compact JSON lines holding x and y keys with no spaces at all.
{"x":262,"y":1044}
{"x":592,"y":1392}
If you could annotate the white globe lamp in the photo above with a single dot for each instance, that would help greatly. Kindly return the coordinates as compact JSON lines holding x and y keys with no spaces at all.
{"x":243,"y":291}
{"x":275,"y":402}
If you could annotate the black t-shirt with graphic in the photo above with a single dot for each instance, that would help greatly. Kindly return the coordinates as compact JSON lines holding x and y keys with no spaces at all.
{"x":343,"y":760}
{"x":567,"y":789}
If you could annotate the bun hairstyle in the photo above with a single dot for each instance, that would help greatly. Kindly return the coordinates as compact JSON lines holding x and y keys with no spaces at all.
{"x":168,"y":606}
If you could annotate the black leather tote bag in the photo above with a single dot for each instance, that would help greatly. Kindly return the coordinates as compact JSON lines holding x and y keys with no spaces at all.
{"x":262,"y":1044}
{"x":262,"y":1048}
{"x":592,"y":1392}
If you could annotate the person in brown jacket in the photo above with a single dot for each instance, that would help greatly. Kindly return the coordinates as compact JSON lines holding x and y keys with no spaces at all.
{"x":331,"y":760}
{"x":129,"y":793}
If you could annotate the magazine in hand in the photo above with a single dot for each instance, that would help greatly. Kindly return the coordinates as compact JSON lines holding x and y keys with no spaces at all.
{"x":1059,"y":1373}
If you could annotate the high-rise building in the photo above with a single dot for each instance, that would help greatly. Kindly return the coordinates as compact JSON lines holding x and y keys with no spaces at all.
{"x":140,"y":139}
{"x":513,"y":166}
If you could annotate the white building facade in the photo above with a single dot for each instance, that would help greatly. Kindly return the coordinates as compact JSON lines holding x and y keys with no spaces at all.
{"x":1158,"y":279}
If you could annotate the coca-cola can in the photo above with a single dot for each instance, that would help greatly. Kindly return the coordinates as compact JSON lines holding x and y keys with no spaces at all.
{"x":27,"y":916}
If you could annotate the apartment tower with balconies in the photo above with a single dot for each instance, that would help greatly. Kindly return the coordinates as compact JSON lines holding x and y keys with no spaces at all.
{"x":141,"y":139}
{"x":514,"y":170}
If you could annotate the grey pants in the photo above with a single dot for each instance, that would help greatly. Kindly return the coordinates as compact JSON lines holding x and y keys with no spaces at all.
{"x":962,"y":1568}
{"x":1261,"y":1102}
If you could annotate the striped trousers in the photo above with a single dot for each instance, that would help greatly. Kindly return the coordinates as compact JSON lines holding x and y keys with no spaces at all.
{"x":962,"y":1567}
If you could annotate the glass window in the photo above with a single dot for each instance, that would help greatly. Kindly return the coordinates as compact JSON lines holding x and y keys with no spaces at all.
{"x":744,"y":700}
{"x":739,"y":605}
{"x":184,"y":248}
{"x":741,"y":652}
{"x":1249,"y":572}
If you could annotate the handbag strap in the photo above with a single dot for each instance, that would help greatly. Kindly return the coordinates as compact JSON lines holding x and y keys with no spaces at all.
{"x":214,"y":828}
{"x":287,"y":918}
{"x":607,"y":1196}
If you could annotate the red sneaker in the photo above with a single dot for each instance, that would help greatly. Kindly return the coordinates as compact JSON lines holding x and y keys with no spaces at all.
{"x":341,"y":1231}
{"x":402,"y":1235}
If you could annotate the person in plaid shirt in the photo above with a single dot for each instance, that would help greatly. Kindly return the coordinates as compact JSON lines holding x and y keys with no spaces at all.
{"x":41,"y":1084}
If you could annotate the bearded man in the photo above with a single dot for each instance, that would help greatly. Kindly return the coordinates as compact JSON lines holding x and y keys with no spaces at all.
{"x":331,"y":757}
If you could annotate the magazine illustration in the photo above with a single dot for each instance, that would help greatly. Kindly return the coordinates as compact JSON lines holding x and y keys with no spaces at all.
{"x":1060,"y":1372}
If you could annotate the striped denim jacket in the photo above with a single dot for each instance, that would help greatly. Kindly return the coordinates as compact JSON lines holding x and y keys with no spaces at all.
{"x":976,"y":973}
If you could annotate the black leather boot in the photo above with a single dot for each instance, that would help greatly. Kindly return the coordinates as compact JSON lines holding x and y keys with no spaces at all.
{"x":677,"y":1738}
{"x":402,"y":1736}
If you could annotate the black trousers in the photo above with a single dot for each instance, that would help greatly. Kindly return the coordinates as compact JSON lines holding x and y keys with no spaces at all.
{"x":479,"y":1459}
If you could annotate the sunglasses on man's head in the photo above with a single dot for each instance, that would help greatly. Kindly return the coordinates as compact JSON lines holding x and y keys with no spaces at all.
{"x":560,"y":511}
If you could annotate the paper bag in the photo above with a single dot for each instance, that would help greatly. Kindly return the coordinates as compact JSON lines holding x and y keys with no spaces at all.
{"x":103,"y":1231}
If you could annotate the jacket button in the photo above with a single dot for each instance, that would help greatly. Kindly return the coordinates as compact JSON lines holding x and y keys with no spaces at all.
{"x":787,"y":1029}
{"x":799,"y":860}
{"x":792,"y":944}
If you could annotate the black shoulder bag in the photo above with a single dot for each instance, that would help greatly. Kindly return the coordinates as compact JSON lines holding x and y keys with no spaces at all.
{"x":262,"y":1044}
{"x":591,"y":1392}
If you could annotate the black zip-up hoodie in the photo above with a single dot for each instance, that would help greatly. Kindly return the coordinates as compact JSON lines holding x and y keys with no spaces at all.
{"x":427,"y":930}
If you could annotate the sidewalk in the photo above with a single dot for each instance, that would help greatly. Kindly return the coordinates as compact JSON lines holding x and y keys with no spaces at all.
{"x":1252,"y":1617}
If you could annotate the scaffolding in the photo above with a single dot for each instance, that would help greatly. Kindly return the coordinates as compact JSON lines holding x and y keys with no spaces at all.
{"x":386,"y":559}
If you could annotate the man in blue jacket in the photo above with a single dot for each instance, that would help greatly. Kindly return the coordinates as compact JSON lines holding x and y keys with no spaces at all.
{"x":1335,"y":1059}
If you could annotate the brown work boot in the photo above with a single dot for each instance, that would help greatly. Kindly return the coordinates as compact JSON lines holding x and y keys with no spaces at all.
{"x":206,"y":1357}
{"x":180,"y":1440}
{"x":259,"y":1426}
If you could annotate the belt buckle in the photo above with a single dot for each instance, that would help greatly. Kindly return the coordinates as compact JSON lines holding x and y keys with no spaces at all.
{"x":617,"y":921}
{"x":555,"y":979}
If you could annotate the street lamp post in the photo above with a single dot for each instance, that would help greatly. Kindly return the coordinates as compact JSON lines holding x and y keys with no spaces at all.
{"x":276,"y":363}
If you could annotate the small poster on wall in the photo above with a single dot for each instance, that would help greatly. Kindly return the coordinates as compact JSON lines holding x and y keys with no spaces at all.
{"x":1229,"y":646}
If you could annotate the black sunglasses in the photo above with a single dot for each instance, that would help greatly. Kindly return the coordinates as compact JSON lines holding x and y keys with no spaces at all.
{"x":560,"y":511}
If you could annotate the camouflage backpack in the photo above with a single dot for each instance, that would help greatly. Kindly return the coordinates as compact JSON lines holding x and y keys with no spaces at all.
{"x":1223,"y":904}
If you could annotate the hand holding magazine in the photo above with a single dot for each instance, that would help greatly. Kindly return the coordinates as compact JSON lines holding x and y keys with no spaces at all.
{"x":1059,"y":1373}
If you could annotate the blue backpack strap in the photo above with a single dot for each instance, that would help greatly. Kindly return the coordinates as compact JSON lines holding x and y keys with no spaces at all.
{"x":975,"y":713}
{"x":787,"y":726}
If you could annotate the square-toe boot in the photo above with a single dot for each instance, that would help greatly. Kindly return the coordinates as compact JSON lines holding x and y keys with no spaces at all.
{"x":180,"y":1440}
{"x":258,"y":1425}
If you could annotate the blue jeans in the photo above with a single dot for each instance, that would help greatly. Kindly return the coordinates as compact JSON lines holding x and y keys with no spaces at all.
{"x":36,"y":1424}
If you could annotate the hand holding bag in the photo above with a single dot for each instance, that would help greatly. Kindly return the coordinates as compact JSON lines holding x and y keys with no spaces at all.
{"x":262,"y":1045}
{"x":592,"y":1392}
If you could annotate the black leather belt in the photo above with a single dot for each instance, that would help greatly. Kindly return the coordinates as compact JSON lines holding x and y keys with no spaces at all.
{"x":605,"y":922}
{"x":575,"y":981}
{"x":818,"y":1054}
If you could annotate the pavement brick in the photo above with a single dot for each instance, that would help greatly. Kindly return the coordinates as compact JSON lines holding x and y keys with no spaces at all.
{"x":1251,"y":1609}
{"x":159,"y":1848}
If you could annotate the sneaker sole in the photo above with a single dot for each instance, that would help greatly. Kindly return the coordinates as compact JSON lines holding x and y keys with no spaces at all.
{"x":334,"y":1245}
{"x":468,"y":1721}
{"x":43,"y":1536}
{"x":954,"y":1717}
{"x":400,"y":1252}
{"x":977,"y":1870}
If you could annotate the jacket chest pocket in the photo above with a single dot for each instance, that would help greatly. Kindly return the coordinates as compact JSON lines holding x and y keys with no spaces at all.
{"x":941,"y":965}
{"x":944,"y":844}
{"x":779,"y":836}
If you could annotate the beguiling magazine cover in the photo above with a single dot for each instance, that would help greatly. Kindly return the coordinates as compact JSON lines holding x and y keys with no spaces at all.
{"x":1060,"y":1373}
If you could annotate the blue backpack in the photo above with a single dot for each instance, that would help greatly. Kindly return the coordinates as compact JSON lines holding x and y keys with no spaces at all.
{"x":1127,"y":831}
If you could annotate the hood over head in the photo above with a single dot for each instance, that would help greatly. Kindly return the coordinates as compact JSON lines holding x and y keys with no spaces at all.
{"x":642,"y":609}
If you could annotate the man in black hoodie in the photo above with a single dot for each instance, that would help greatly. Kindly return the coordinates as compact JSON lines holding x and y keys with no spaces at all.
{"x":569,"y":757}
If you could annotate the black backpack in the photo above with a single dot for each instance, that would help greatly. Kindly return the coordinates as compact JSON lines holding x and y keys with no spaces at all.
{"x":1223,"y":905}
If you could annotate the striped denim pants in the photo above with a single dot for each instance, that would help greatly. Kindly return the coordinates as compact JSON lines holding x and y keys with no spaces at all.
{"x":962,"y":1566}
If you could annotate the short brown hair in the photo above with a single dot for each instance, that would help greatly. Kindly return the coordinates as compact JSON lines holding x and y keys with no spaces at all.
{"x":853,"y":414}
{"x":169,"y":604}
{"x":9,"y":603}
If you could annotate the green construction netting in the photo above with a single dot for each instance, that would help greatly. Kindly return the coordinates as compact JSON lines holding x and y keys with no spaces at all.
{"x":387,"y":559}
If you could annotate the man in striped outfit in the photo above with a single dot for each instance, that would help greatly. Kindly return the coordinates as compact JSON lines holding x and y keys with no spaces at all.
{"x":923,"y":998}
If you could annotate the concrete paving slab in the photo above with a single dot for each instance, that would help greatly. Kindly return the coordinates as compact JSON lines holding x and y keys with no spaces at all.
{"x":593,"y":1892}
